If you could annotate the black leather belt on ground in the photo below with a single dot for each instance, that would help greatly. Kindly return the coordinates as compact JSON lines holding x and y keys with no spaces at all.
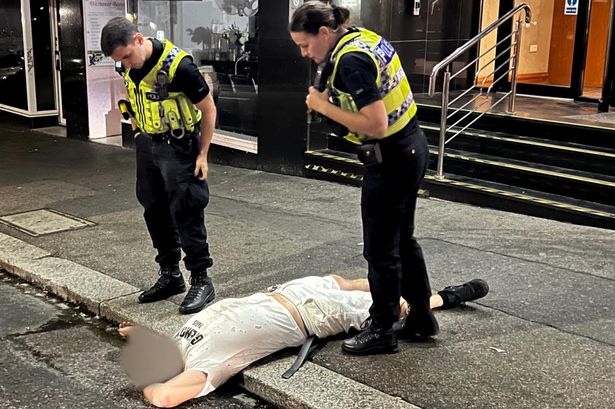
{"x":305,"y":351}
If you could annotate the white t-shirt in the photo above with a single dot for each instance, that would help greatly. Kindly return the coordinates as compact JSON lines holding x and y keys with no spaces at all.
{"x":229,"y":335}
{"x":326,"y":310}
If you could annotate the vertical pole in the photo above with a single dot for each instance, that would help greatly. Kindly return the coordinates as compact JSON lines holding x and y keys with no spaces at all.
{"x":445,"y":93}
{"x":609,"y":67}
{"x":516,"y":48}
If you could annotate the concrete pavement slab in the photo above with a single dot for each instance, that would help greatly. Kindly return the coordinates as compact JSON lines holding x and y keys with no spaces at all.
{"x":70,"y":281}
{"x":161,"y":316}
{"x":299,"y":196}
{"x":13,"y":250}
{"x":315,"y":387}
{"x":44,"y":221}
{"x":578,"y":248}
{"x":473,"y":365}
{"x":39,"y":194}
{"x":536,"y":292}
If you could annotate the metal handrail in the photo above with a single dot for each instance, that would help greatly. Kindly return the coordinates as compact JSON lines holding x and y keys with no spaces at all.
{"x":446,"y":63}
{"x":436,"y":69}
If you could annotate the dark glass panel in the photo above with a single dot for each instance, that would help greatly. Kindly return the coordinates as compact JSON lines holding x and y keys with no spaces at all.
{"x":43,"y":57}
{"x":12,"y":59}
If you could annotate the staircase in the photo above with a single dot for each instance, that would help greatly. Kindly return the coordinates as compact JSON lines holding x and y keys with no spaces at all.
{"x":515,"y":162}
{"x":541,"y":168}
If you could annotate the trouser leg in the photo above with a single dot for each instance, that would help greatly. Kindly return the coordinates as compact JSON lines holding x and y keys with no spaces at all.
{"x":381,"y":215}
{"x":152,"y":195}
{"x":188,"y":196}
{"x":415,"y":286}
{"x":187,"y":199}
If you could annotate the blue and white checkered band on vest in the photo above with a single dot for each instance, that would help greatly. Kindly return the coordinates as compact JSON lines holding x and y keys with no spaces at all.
{"x":168,"y":60}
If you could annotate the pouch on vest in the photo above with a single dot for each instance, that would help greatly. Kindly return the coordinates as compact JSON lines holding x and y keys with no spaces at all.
{"x":186,"y":113}
{"x":172,"y":118}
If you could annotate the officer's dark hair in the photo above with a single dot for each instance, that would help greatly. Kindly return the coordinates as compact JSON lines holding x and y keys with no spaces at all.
{"x":312,"y":15}
{"x":118,"y":32}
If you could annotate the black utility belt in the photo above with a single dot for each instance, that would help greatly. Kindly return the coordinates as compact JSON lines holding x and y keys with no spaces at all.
{"x":168,"y":138}
{"x":374,"y":153}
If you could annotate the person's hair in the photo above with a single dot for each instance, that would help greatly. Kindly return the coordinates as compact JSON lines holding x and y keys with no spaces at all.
{"x":118,"y":32}
{"x":312,"y":15}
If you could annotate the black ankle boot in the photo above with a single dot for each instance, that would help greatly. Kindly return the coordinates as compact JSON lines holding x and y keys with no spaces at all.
{"x":456,"y":295}
{"x":417,"y":326}
{"x":201,"y":293}
{"x":169,"y":283}
{"x":372,"y":340}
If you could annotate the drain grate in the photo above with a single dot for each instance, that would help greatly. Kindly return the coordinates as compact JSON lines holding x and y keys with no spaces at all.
{"x":44,"y":221}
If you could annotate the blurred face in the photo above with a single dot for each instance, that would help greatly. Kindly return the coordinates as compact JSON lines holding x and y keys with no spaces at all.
{"x":316,"y":46}
{"x":134,"y":54}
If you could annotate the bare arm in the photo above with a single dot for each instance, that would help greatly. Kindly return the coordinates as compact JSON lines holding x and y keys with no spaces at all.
{"x":346,"y":284}
{"x":361,"y":284}
{"x":177,"y":390}
{"x":208,"y":123}
{"x":371,"y":120}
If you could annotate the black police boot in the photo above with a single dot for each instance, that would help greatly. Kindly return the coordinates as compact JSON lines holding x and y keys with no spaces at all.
{"x":201,"y":293}
{"x":372,"y":340}
{"x":169,"y":283}
{"x":417,"y":326}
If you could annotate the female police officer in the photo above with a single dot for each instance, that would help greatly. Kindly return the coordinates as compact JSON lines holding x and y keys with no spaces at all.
{"x":375,"y":103}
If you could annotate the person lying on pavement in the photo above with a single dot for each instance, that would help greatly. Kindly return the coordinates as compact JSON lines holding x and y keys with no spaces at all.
{"x":226,"y":337}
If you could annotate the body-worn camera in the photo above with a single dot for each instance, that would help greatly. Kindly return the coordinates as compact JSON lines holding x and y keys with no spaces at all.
{"x":331,"y":128}
{"x":323,"y":71}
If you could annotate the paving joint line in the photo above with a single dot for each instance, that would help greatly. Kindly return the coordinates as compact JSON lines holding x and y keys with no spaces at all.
{"x":518,"y":258}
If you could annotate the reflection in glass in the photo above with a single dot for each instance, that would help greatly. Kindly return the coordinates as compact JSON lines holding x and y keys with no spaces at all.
{"x":12,"y":62}
{"x":43,"y":58}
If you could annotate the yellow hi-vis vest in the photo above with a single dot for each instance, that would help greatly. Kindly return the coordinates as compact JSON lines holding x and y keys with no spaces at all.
{"x":174,"y":114}
{"x":391,"y":80}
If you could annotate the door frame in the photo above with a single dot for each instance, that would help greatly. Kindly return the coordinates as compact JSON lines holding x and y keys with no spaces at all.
{"x":54,"y":20}
{"x":581,"y":39}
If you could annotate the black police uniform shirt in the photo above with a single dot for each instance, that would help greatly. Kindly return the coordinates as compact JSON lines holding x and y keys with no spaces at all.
{"x":187,"y":77}
{"x":356,"y":75}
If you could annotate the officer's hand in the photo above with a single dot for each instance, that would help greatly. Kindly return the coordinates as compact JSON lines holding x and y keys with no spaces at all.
{"x":200,"y":170}
{"x":315,"y":100}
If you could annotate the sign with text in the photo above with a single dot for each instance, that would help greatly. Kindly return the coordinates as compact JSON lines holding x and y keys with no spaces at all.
{"x":97,"y":13}
{"x":571,"y":7}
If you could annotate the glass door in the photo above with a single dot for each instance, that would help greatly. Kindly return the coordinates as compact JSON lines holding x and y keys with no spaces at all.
{"x":562,"y":51}
{"x":547,"y":50}
{"x":595,"y":58}
{"x":13,"y":86}
{"x":57,"y":69}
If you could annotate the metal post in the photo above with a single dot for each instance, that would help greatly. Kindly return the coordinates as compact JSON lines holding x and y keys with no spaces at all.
{"x":445,"y":92}
{"x":513,"y":83}
{"x":609,"y":67}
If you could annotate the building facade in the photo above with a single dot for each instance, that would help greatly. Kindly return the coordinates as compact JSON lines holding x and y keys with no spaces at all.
{"x":53,"y":71}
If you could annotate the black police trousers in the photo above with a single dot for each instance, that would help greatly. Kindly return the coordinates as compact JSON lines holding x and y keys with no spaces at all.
{"x":388,"y":201}
{"x":174,"y":200}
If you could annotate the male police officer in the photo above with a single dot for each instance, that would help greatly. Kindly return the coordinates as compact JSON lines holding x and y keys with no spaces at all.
{"x":175,"y":116}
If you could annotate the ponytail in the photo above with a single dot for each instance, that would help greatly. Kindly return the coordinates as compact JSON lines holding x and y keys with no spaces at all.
{"x":312,"y":15}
